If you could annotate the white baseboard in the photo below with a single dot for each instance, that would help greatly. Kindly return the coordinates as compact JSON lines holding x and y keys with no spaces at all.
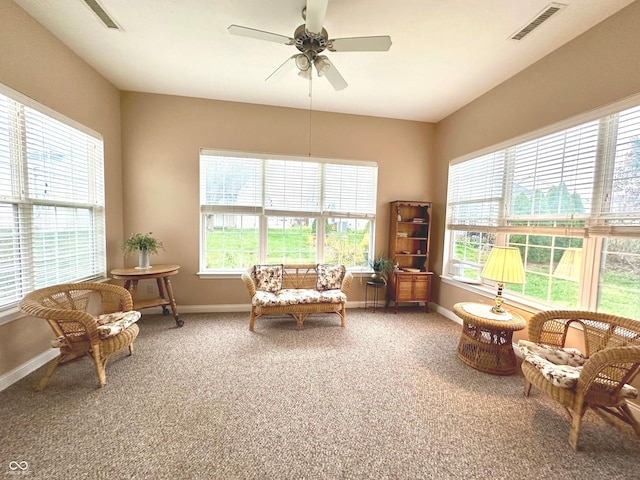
{"x":220,"y":308}
{"x":18,"y":373}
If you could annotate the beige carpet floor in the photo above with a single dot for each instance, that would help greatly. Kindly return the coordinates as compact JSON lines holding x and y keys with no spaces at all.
{"x":384,"y":398}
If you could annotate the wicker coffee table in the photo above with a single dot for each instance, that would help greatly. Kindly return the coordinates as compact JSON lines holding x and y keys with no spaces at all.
{"x":486,"y":339}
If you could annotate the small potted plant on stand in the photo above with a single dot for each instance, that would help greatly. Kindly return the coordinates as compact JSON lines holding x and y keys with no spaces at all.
{"x":382,"y":266}
{"x":144,"y":244}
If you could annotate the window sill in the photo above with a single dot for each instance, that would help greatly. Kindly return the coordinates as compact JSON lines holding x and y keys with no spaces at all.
{"x":489,"y":292}
{"x":229,"y":275}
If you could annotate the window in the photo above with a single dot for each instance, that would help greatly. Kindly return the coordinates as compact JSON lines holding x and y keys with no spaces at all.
{"x":575,"y":194}
{"x":267,"y":209}
{"x":51,"y":199}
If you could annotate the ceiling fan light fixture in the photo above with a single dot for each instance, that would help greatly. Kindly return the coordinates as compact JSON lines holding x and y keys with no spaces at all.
{"x":306,"y":74}
{"x":322,"y":64}
{"x":302,"y":62}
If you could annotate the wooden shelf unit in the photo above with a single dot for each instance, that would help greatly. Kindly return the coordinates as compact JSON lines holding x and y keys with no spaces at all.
{"x":409,"y":239}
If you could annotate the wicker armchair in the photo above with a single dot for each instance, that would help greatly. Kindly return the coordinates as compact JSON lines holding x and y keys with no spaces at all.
{"x":612,"y":351}
{"x":66,"y":307}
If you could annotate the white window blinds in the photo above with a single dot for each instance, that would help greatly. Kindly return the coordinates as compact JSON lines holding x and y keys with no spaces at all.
{"x":232,"y":183}
{"x":350,"y":189}
{"x":51,"y":201}
{"x":475,"y":191}
{"x":621,"y":198}
{"x":292,"y":186}
{"x":584,"y":180}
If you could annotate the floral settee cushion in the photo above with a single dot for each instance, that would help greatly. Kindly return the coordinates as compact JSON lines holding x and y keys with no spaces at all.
{"x":267,"y":278}
{"x":294,"y":296}
{"x":109,"y":325}
{"x":329,"y":277}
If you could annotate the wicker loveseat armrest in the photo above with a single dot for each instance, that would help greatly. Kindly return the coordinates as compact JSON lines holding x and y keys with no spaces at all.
{"x":346,"y":282}
{"x":608,"y":370}
{"x":249,"y":283}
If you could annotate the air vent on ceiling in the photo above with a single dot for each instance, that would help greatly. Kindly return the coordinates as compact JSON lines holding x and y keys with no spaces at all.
{"x":102,"y":15}
{"x":542,"y":17}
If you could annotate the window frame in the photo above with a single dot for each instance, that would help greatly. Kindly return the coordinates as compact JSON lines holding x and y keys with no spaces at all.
{"x":593,"y":233}
{"x":319,"y":214}
{"x":21,"y":114}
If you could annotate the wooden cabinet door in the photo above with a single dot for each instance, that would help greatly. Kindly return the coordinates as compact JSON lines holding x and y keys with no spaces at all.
{"x":404,"y":289}
{"x":421,"y":287}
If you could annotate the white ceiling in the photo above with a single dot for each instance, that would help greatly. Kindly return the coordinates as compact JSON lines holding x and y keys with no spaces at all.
{"x":444,"y":53}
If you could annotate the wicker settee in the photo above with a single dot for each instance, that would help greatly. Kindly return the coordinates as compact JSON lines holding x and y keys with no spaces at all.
{"x":597,"y":376}
{"x":297,"y":290}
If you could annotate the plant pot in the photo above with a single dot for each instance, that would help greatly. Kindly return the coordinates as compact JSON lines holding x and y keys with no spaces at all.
{"x":377,"y":277}
{"x":143,"y":259}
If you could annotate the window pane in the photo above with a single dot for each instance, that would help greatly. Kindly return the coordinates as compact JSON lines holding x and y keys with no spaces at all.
{"x":475,"y":190}
{"x":350,"y":189}
{"x":552,"y":272}
{"x":553,"y":175}
{"x":232,"y":241}
{"x":347,"y":241}
{"x":11,"y":261}
{"x":291,"y":240}
{"x":55,"y":149}
{"x":470,"y":252}
{"x":292,"y":185}
{"x":63,"y":243}
{"x":625,"y":190}
{"x":619,"y":283}
{"x":230,"y":181}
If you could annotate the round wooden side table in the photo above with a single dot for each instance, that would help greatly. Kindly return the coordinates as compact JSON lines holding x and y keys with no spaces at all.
{"x":161,"y":274}
{"x":486,"y":339}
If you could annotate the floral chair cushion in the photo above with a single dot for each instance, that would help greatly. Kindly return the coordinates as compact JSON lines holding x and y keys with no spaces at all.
{"x":329,"y":277}
{"x":268,"y":278}
{"x":556,"y":355}
{"x":109,"y":325}
{"x":561,"y":366}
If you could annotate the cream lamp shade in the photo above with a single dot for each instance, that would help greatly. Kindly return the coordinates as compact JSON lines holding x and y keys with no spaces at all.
{"x":504,"y":265}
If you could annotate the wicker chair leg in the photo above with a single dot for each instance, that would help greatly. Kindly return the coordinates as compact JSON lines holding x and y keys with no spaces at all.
{"x":576,"y":422}
{"x":252,"y":319}
{"x":527,"y":387}
{"x":131,"y":349}
{"x":344,"y":315}
{"x":50,"y":370}
{"x":100,"y":364}
{"x":626,"y":412}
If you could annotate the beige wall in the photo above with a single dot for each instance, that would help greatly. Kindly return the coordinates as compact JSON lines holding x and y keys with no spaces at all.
{"x":161,"y":139}
{"x":35,"y":63}
{"x":598,"y":68}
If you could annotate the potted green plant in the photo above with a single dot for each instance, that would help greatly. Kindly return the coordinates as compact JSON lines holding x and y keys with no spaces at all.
{"x":143,"y":244}
{"x":382,"y":267}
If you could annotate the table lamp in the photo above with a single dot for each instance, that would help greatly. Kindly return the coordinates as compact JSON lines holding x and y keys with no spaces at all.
{"x":504,"y":265}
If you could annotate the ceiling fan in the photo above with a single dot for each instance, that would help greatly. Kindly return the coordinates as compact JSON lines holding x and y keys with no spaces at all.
{"x":311,"y":39}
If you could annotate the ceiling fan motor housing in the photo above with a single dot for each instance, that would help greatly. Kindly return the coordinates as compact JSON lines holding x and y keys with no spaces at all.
{"x":309,"y":43}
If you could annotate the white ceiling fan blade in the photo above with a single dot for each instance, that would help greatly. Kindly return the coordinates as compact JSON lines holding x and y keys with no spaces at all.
{"x":335,"y":79}
{"x":360,"y":44}
{"x":315,"y":13}
{"x":282,"y":70}
{"x":259,"y":34}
